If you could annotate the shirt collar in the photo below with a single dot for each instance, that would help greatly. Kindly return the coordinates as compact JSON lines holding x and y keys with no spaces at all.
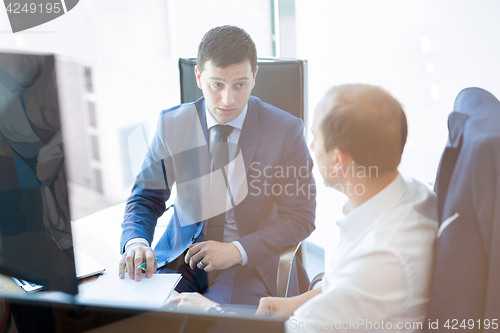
{"x":359,"y":219}
{"x":236,"y":122}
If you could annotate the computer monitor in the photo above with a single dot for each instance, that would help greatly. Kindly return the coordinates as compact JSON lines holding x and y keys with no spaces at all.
{"x":35,"y":230}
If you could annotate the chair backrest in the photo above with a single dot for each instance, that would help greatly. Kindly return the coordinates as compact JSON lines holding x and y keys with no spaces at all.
{"x":466,"y":281}
{"x":281,"y":82}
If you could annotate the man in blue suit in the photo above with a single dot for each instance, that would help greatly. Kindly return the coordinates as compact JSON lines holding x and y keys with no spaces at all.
{"x":244,"y":185}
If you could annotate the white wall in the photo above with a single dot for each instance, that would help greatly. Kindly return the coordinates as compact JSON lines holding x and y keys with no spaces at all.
{"x":190,"y":20}
{"x":423,"y":52}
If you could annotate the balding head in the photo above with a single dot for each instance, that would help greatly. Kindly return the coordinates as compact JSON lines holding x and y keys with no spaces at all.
{"x":365,"y":122}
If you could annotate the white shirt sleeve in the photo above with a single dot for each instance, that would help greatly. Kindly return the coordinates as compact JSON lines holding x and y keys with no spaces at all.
{"x":363,"y":293}
{"x":135,"y":241}
{"x":244,"y":258}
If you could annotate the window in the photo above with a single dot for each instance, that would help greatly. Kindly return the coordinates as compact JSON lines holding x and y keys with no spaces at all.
{"x":92,"y":115}
{"x":88,"y":79}
{"x":95,"y":147}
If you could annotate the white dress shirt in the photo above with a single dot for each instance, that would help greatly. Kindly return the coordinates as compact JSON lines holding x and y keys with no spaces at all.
{"x":230,"y":230}
{"x":379,"y":278}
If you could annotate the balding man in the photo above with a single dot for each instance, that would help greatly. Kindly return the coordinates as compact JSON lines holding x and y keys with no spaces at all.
{"x":379,"y":277}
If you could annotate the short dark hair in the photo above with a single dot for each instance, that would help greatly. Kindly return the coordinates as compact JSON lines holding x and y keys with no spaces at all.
{"x":225,"y":46}
{"x":367,"y":123}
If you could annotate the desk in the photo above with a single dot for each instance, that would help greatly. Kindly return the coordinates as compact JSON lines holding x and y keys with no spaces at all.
{"x":7,"y":286}
{"x":105,"y":225}
{"x":99,"y":236}
{"x":89,"y":244}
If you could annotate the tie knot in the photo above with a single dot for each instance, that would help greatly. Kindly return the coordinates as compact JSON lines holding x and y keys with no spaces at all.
{"x":223,"y":131}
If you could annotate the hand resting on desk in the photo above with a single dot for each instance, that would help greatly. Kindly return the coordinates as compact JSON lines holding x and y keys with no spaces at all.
{"x":135,"y":255}
{"x":189,"y":301}
{"x":275,"y":307}
{"x":279,"y":307}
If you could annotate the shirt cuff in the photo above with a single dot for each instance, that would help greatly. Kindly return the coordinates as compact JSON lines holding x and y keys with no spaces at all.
{"x":244,"y":258}
{"x":135,"y":241}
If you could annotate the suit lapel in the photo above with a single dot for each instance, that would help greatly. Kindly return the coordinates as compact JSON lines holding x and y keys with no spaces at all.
{"x":200,"y":108}
{"x":250,"y":134}
{"x":456,"y":123}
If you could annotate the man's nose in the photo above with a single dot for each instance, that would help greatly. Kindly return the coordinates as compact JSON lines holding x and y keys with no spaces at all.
{"x":227,"y":96}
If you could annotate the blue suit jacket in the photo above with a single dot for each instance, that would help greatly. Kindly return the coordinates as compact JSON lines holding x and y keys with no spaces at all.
{"x":271,"y":142}
{"x":466,"y":283}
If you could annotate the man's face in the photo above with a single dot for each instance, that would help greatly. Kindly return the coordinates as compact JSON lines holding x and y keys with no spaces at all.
{"x":226,"y":90}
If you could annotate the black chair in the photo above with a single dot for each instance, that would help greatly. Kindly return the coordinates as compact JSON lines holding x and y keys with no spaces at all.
{"x":466,"y":280}
{"x":281,"y":82}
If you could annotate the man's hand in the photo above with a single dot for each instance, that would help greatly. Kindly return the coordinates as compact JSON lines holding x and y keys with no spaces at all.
{"x":276,"y":307}
{"x":135,"y":255}
{"x":212,"y":256}
{"x":284,"y":307}
{"x":190,"y":301}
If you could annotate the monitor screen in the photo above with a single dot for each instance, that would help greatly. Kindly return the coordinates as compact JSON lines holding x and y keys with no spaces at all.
{"x":35,"y":230}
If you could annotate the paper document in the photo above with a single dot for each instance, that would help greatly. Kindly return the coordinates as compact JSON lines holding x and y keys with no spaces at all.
{"x":150,"y":293}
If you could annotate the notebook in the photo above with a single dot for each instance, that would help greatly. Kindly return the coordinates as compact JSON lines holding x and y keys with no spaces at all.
{"x":85,"y":266}
{"x":149,"y":293}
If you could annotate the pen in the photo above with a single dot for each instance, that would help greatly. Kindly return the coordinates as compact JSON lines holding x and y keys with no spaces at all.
{"x":143,"y":265}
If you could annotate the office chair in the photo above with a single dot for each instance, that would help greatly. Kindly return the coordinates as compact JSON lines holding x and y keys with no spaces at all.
{"x":281,"y":82}
{"x":466,"y":279}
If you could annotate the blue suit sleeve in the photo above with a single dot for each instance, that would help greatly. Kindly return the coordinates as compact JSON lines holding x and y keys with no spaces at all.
{"x":151,"y":189}
{"x":144,"y":207}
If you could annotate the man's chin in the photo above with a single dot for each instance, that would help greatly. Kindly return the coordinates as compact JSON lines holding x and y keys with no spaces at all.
{"x":225,"y":117}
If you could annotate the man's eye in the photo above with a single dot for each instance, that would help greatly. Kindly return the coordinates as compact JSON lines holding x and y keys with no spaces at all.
{"x":241,"y":85}
{"x":216,"y":85}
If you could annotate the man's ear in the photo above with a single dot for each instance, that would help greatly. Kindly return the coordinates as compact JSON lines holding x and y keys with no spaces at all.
{"x":339,"y":159}
{"x":197,"y":73}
